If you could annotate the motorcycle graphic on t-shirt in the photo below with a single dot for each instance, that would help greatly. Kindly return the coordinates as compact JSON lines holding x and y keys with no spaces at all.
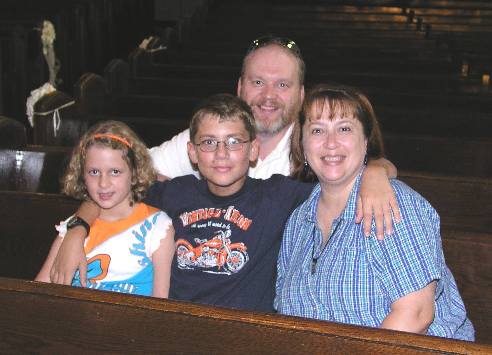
{"x":217,"y":252}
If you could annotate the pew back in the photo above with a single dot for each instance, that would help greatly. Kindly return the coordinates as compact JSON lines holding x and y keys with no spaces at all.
{"x":35,"y":169}
{"x":96,"y":321}
{"x":27,"y":230}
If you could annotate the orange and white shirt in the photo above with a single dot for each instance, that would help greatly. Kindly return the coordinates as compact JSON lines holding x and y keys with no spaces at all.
{"x":119,"y":253}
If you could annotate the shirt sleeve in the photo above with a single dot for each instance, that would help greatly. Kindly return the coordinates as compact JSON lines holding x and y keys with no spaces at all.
{"x":156,"y":195}
{"x":284,"y":255}
{"x":412,"y":257}
{"x":160,"y":228}
{"x":62,"y":227}
{"x":171,"y":157}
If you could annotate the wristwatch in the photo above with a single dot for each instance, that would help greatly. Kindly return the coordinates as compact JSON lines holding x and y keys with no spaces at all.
{"x":75,"y":221}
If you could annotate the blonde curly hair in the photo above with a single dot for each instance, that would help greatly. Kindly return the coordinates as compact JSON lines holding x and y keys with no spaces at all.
{"x":114,"y":135}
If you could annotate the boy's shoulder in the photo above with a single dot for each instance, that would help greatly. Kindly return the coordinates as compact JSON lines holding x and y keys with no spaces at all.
{"x":280,"y":181}
{"x":283,"y":187}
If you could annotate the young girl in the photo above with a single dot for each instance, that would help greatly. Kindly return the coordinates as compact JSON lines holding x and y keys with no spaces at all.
{"x":130,"y":246}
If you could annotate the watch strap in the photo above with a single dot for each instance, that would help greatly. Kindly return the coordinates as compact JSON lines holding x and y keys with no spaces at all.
{"x":77,"y":221}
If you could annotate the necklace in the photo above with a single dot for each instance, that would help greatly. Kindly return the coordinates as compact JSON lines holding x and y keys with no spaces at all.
{"x":314,"y":260}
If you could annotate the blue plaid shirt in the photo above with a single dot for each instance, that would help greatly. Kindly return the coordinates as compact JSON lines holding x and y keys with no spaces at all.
{"x":356,"y":279}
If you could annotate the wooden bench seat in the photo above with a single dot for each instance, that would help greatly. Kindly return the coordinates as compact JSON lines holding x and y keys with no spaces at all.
{"x":450,"y":4}
{"x":367,"y":39}
{"x":35,"y":169}
{"x":153,"y":131}
{"x":85,"y":39}
{"x":443,"y":155}
{"x":460,"y":20}
{"x":397,"y":112}
{"x":281,"y":9}
{"x":344,"y":59}
{"x":59,"y":319}
{"x":193,"y":82}
{"x":12,"y":133}
{"x":27,"y":229}
{"x":463,"y":203}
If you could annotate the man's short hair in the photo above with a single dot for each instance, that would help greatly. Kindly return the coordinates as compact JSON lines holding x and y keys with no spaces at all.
{"x":286,"y":43}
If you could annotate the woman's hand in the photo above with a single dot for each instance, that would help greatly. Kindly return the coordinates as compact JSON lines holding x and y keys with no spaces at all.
{"x":377,"y":199}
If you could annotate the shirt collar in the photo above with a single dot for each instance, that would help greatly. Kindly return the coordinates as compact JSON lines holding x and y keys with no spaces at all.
{"x":347,"y":214}
{"x":282,"y":146}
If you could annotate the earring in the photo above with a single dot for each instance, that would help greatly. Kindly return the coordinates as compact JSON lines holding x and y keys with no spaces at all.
{"x":365,"y":159}
{"x":305,"y":168}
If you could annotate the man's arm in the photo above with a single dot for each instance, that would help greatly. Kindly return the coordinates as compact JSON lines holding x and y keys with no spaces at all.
{"x":377,"y":198}
{"x":171,"y":158}
{"x":413,"y":312}
{"x":71,"y":254}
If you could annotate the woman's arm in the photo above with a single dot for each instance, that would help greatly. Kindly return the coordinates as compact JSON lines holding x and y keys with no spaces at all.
{"x":377,"y":199}
{"x":44,"y":273}
{"x":162,"y":259}
{"x":413,"y":312}
{"x":71,"y":254}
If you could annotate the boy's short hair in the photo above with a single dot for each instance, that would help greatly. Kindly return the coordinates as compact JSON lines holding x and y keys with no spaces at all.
{"x":225,"y":107}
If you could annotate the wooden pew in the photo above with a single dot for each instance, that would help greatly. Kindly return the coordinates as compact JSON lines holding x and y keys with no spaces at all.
{"x":52,"y":318}
{"x":35,"y":169}
{"x":468,"y":256}
{"x":443,"y":155}
{"x":59,"y":110}
{"x":464,"y":203}
{"x":88,"y":34}
{"x":156,"y":114}
{"x":12,"y":133}
{"x":153,"y":131}
{"x":449,"y":4}
{"x":399,"y":113}
{"x":194,"y":80}
{"x":27,"y":229}
{"x":28,"y":219}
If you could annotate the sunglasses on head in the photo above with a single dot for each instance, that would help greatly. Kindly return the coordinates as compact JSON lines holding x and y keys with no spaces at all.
{"x":266,"y":40}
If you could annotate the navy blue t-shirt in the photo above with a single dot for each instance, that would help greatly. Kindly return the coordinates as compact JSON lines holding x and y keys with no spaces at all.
{"x":227,"y":247}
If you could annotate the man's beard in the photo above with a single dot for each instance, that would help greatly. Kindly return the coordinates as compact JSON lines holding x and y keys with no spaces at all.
{"x":271,"y":128}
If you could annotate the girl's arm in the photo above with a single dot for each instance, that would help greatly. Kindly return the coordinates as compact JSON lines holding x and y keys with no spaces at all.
{"x":377,"y":199}
{"x":162,"y":259}
{"x":44,"y":273}
{"x":413,"y":312}
{"x":71,"y":254}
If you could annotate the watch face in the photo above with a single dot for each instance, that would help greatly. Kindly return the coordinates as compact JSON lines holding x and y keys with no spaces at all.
{"x":74,"y":221}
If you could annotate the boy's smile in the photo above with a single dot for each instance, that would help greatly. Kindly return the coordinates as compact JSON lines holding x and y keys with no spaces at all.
{"x":225,"y":170}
